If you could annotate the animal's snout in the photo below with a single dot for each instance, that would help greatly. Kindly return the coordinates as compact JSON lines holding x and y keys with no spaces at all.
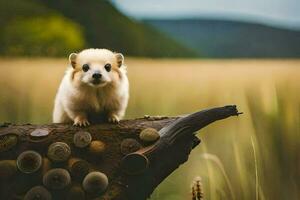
{"x":97,"y":75}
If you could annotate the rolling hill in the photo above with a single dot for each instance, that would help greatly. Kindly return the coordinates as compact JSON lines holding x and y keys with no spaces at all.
{"x":101,"y":25}
{"x":228,"y":39}
{"x":104,"y":26}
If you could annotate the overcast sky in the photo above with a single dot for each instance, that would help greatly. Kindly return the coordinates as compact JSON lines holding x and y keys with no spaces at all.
{"x":282,"y":12}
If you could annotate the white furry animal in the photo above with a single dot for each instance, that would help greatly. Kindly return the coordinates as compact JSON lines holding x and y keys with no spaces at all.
{"x":95,"y":84}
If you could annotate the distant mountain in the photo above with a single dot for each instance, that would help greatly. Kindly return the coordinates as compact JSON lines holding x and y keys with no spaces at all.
{"x":105,"y":27}
{"x":227,"y":39}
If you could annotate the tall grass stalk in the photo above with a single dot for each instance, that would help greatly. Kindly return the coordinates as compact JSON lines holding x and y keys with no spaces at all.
{"x":197,"y":189}
{"x":214,"y":159}
{"x":256,"y":169}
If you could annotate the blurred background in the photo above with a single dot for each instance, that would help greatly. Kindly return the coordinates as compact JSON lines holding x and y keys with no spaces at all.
{"x":182,"y":56}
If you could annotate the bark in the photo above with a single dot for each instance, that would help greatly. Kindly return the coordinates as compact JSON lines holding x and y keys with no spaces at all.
{"x":132,"y":176}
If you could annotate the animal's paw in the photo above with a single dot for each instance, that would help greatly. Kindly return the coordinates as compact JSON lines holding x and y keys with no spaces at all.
{"x":113,"y":119}
{"x":81,"y":121}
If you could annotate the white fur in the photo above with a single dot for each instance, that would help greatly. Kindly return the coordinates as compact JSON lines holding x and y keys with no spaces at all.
{"x":78,"y":97}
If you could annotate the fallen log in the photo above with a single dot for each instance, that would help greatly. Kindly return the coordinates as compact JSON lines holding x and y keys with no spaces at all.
{"x":102,"y":161}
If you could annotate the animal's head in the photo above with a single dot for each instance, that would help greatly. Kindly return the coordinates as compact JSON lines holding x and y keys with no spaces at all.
{"x":96,"y":67}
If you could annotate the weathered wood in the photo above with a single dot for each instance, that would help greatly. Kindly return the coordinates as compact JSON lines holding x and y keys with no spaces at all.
{"x":131,"y":176}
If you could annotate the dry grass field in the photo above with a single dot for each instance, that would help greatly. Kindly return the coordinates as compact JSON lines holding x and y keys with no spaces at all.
{"x":254,"y":156}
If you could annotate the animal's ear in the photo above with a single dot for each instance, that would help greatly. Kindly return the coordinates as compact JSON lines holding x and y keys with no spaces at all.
{"x":72,"y":59}
{"x":120,"y":59}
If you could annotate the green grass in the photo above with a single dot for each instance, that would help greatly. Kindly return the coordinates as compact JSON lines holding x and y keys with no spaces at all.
{"x":253,"y":156}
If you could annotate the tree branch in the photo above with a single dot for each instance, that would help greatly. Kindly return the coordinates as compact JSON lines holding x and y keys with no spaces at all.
{"x":131,"y":176}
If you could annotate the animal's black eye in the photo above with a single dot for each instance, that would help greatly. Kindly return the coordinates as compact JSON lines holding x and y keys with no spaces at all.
{"x":85,"y":67}
{"x":107,"y":67}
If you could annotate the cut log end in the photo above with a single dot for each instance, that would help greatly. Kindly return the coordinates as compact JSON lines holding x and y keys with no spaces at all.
{"x":134,"y":163}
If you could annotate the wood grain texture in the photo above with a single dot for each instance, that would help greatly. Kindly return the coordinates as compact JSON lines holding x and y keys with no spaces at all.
{"x":132,"y":176}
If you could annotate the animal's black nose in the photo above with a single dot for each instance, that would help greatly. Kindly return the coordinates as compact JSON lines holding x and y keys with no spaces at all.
{"x":97,"y":76}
